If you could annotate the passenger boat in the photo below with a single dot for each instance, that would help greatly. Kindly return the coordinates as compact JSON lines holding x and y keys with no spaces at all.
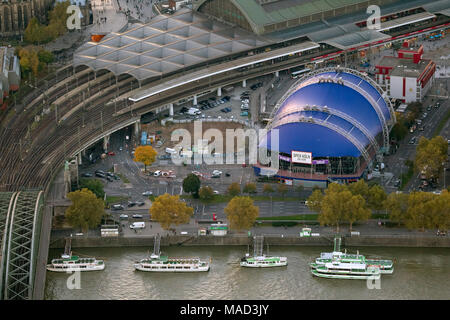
{"x":341,"y":265}
{"x":158,"y":263}
{"x":385,"y":266}
{"x":260,"y":260}
{"x":70,"y":263}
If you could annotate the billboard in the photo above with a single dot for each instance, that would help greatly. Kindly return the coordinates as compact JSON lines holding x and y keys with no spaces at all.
{"x":301,"y":157}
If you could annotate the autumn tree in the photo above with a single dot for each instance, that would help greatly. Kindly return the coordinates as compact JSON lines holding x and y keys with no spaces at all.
{"x":396,"y":205}
{"x":168,"y":210}
{"x":249,"y":188}
{"x":338,"y":205}
{"x":268,"y":188}
{"x":420,"y":211}
{"x":376,"y":197}
{"x":86,"y":210}
{"x":206,"y":193}
{"x":234,"y":189}
{"x":282,"y":188}
{"x":145,"y":154}
{"x":359,"y":188}
{"x":430,"y":156}
{"x":191,"y":184}
{"x":241,"y":213}
{"x":441,"y":211}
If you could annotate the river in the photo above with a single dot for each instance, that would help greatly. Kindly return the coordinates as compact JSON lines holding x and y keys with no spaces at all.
{"x":419,"y":274}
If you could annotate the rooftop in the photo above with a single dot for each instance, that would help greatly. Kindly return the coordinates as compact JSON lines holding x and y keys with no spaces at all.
{"x":404,"y":67}
{"x":166,"y":44}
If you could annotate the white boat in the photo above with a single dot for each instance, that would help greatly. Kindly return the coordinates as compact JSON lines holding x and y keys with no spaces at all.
{"x":385,"y":266}
{"x":259,"y":259}
{"x":339,"y":265}
{"x":70,"y":263}
{"x":158,"y":263}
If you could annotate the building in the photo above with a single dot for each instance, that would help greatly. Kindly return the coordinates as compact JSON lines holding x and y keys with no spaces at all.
{"x":10,"y":72}
{"x":15,"y":15}
{"x":406,"y":77}
{"x":266,"y":16}
{"x":331,"y":125}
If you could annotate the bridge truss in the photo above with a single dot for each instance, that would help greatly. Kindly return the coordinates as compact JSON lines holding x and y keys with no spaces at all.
{"x":20,"y":217}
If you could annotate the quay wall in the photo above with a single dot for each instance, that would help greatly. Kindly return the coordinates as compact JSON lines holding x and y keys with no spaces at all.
{"x":231,"y":240}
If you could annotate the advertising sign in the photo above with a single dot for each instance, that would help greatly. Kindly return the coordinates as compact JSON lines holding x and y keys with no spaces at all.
{"x":301,"y":157}
{"x":320,"y":162}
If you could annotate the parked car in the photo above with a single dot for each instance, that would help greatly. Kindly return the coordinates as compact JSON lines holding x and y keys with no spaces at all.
{"x":227,"y":174}
{"x":123,"y":216}
{"x":100,"y":175}
{"x":413,"y":140}
{"x":147,"y":193}
{"x":111,"y":153}
{"x":140,"y":203}
{"x":116,"y":207}
{"x":244,"y":113}
{"x":217,"y":172}
{"x":137,"y":216}
{"x":87,"y":175}
{"x":100,"y":171}
{"x":109,"y":179}
{"x":131,"y":204}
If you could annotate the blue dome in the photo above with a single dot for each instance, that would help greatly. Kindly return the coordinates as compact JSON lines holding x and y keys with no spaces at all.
{"x":331,"y":114}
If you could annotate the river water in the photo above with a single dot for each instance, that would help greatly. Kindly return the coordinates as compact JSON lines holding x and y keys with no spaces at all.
{"x":419,"y":274}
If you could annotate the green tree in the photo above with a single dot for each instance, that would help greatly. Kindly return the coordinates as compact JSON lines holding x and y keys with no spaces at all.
{"x":45,"y":56}
{"x":145,"y":154}
{"x":249,"y":188}
{"x":94,"y":185}
{"x":206,"y":193}
{"x":168,"y":210}
{"x":191,"y":184}
{"x":234,"y":189}
{"x":86,"y":210}
{"x":241,"y":213}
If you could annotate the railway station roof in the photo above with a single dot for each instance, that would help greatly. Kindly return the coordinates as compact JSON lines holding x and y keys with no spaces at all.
{"x":166,"y":44}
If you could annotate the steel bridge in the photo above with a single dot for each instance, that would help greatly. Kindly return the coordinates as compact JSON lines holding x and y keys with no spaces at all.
{"x":20,"y":221}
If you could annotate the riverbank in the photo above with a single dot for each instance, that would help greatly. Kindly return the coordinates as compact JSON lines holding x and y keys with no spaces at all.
{"x":243,"y":240}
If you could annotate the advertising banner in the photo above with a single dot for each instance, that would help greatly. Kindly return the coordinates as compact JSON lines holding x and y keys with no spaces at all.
{"x":301,"y":157}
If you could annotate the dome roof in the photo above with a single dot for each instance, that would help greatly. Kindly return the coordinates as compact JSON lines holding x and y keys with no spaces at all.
{"x":331,"y":114}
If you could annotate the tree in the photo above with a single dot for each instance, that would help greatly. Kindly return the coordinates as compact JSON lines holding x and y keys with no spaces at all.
{"x":356,"y":210}
{"x":376,"y":197}
{"x":45,"y":56}
{"x":359,"y":188}
{"x":234,"y":189}
{"x":430,"y":156}
{"x":441,"y":211}
{"x":168,"y":210}
{"x":396,"y":205}
{"x":94,"y":185}
{"x":241,"y":213}
{"x":249,"y":188}
{"x":145,"y":154}
{"x":282,"y":188}
{"x":191,"y":184}
{"x":206,"y":193}
{"x":268,"y":188}
{"x":86,"y":210}
{"x":314,"y":201}
{"x":420,"y":211}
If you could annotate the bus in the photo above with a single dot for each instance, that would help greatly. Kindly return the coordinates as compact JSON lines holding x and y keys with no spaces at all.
{"x":297,"y":72}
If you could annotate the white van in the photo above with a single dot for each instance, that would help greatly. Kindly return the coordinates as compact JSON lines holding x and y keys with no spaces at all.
{"x":157,"y":173}
{"x":137,"y":225}
{"x":171,"y":151}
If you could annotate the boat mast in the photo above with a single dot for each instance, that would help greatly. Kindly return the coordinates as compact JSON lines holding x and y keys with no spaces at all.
{"x":337,"y":244}
{"x":156,"y":245}
{"x":68,"y":247}
{"x":258,"y":243}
